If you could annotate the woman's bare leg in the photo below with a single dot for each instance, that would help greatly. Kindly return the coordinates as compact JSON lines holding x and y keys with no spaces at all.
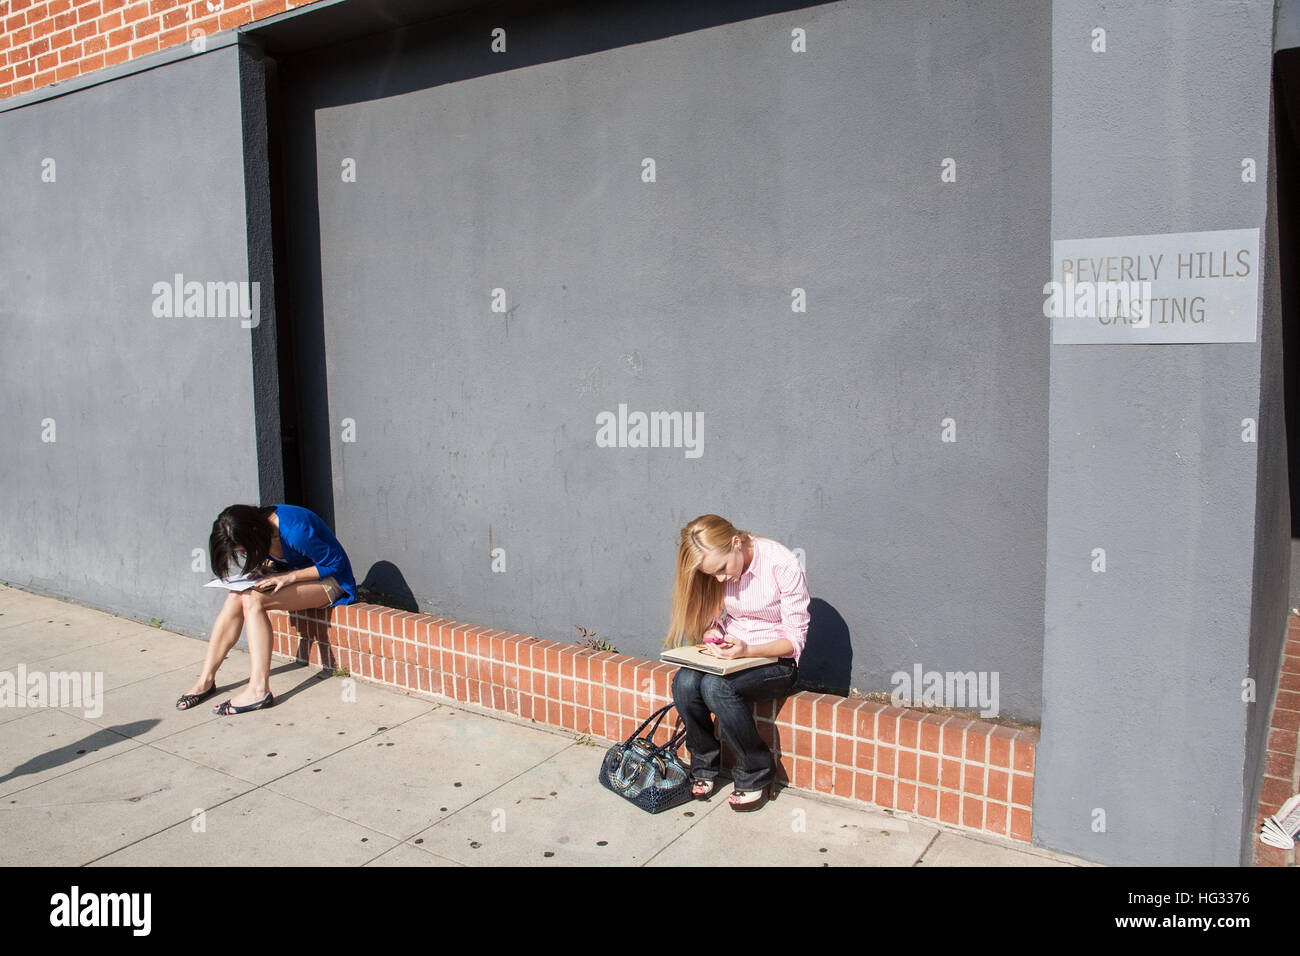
{"x":225,"y":634}
{"x":255,"y":604}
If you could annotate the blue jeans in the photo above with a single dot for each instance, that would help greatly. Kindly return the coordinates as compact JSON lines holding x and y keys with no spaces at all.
{"x":697,"y":694}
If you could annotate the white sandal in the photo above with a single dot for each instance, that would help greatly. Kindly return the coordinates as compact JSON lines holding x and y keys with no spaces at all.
{"x":702,"y":789}
{"x":743,"y":801}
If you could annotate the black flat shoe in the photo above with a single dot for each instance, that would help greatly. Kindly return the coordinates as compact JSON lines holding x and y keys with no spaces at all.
{"x":186,"y":701}
{"x":227,"y":708}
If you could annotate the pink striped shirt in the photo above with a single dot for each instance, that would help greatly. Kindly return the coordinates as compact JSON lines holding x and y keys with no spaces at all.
{"x":770,"y":601}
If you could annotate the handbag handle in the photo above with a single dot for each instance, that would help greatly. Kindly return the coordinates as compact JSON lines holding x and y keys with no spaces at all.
{"x":671,"y":745}
{"x":657,"y":717}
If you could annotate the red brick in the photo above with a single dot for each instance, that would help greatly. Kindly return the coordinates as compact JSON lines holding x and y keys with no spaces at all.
{"x":803,"y":743}
{"x":1022,"y":790}
{"x":995,"y":818}
{"x":865,"y":757}
{"x":846,"y":751}
{"x":823,"y":778}
{"x":824,"y":713}
{"x":931,"y":733}
{"x":1282,"y":740}
{"x":1022,"y":756}
{"x":1278,"y":765}
{"x":999,"y":751}
{"x":909,"y":729}
{"x":233,"y":17}
{"x":864,"y":787}
{"x":998,"y":783}
{"x":973,"y":782}
{"x":906,"y":765}
{"x":824,"y":745}
{"x":786,"y":710}
{"x":1286,"y":719}
{"x":1273,"y":793}
{"x":950,"y":774}
{"x":803,"y":773}
{"x":905,"y":796}
{"x":1266,"y":855}
{"x":887,"y":723}
{"x":928,"y":769}
{"x":885,"y":757}
{"x":582,"y":665}
{"x":949,"y":807}
{"x":954,"y":736}
{"x":972,"y":812}
{"x":89,"y":11}
{"x":927,"y":803}
{"x":846,"y":717}
{"x":803,"y":711}
{"x":1020,"y":824}
{"x":843,"y":783}
{"x":266,"y":8}
{"x":977,"y":741}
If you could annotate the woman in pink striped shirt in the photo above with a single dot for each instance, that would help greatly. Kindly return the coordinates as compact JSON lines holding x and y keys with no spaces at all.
{"x":745,"y":596}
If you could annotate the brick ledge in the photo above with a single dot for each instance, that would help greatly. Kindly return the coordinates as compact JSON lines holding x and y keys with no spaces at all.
{"x":963,"y":772}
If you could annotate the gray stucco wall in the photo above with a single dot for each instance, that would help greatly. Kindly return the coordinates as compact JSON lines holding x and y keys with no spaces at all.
{"x":152,"y":417}
{"x":1143,"y":718}
{"x":775,"y":170}
{"x":1269,"y":604}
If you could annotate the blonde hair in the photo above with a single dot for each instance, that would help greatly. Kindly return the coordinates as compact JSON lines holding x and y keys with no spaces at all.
{"x":697,"y":598}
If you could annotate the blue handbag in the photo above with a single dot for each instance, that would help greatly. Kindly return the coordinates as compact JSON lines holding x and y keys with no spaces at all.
{"x":649,"y":775}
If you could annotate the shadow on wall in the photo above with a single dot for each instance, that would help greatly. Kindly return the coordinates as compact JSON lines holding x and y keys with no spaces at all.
{"x":827,"y":660}
{"x":385,"y":584}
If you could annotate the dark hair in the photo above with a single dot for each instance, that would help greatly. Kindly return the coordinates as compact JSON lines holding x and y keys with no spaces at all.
{"x":240,"y":527}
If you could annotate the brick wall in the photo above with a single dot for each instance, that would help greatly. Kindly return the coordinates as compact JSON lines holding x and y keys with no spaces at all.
{"x":47,"y":41}
{"x":964,"y":772}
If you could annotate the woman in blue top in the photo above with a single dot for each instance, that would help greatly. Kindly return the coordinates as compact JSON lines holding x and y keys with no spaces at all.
{"x":302,"y":566}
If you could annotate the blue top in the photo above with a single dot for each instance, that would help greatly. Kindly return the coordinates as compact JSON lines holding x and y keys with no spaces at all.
{"x":306,"y":540}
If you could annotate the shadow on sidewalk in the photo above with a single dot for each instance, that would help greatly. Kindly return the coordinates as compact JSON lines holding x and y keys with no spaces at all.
{"x":67,"y":754}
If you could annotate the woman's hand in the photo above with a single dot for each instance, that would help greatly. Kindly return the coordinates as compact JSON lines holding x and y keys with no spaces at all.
{"x":730,"y":649}
{"x":272,"y":583}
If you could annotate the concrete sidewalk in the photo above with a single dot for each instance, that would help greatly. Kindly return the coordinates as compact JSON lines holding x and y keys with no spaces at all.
{"x":384,"y":779}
